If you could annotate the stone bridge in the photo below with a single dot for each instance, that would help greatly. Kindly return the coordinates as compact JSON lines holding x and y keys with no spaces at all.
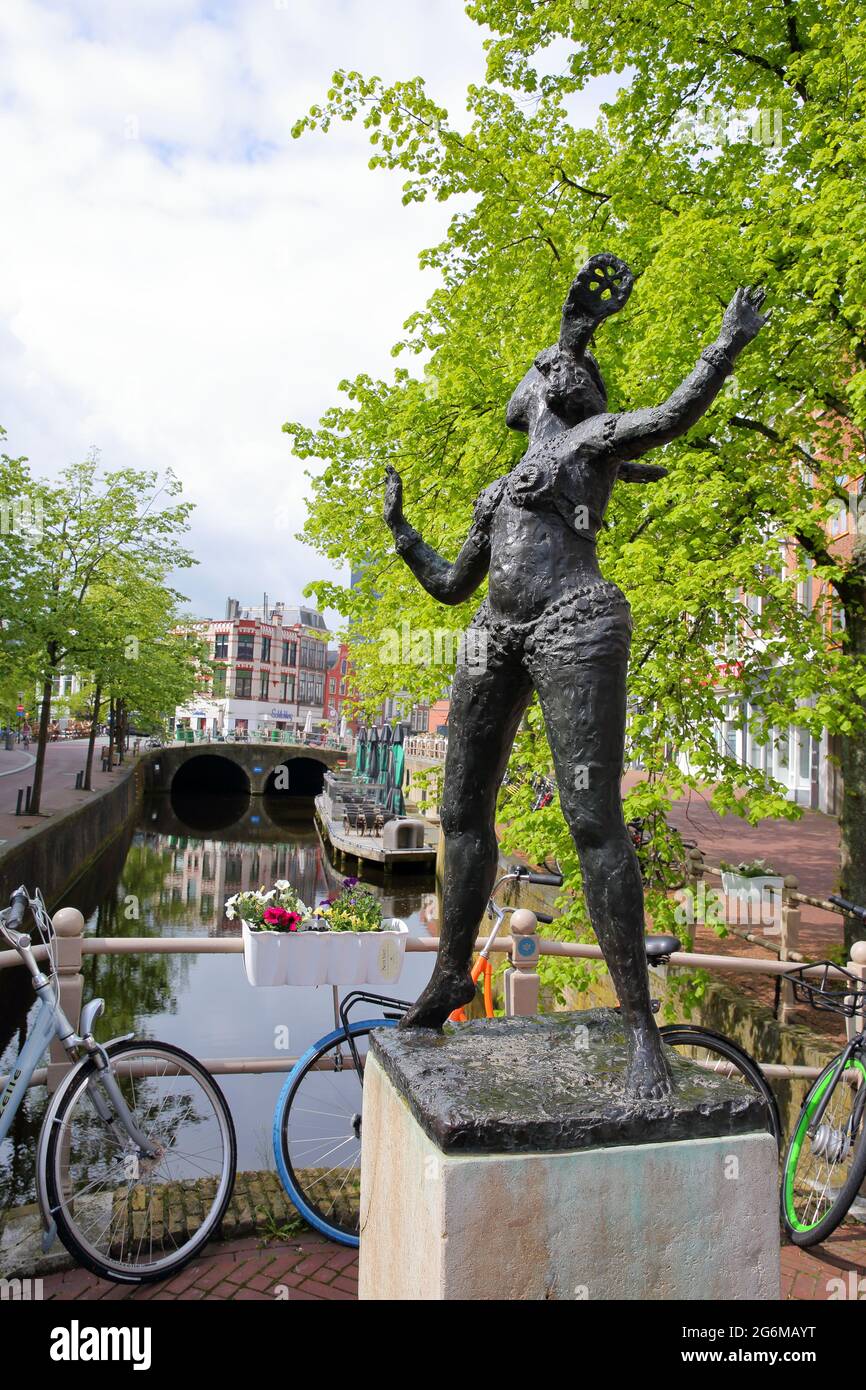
{"x":240,"y":769}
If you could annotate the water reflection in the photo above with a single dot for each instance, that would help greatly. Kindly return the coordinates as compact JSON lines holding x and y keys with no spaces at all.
{"x":183,"y":860}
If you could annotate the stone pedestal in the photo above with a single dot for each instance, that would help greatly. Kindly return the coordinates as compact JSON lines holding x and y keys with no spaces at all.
{"x":502,"y":1161}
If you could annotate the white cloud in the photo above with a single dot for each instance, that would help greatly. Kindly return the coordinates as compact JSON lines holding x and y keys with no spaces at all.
{"x":180,"y":276}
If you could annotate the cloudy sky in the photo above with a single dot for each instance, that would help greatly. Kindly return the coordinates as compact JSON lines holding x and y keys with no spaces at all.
{"x":179,"y":276}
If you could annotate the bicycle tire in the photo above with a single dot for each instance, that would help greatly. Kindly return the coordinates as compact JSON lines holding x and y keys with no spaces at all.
{"x":314,"y":1215}
{"x":687,"y":1035}
{"x":813,"y":1235}
{"x":81,"y":1251}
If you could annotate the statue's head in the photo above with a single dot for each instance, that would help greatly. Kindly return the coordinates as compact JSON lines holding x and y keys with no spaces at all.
{"x":568,"y":386}
{"x":565,"y":379}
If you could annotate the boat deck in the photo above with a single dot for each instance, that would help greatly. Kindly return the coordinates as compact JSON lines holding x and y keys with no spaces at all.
{"x":370,"y":847}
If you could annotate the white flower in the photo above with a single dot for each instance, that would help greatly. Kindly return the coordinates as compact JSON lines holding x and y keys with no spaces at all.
{"x":282,"y":884}
{"x":230,"y":913}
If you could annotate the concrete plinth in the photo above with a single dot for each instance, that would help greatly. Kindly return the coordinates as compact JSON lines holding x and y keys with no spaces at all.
{"x":463,"y":1197}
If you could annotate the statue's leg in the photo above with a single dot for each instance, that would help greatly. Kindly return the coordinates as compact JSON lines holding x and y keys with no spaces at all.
{"x":486,"y":709}
{"x":584,"y":706}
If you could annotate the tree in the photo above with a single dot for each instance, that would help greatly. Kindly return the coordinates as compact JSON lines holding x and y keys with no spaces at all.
{"x":88,"y":531}
{"x":734,"y":153}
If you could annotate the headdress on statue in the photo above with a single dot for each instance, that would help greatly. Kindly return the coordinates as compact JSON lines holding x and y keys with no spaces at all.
{"x":600,"y":288}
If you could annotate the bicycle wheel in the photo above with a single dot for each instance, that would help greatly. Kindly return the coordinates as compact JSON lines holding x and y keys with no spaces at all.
{"x":722,"y":1057}
{"x":824,"y":1171}
{"x":129,"y":1217}
{"x":317,"y":1132}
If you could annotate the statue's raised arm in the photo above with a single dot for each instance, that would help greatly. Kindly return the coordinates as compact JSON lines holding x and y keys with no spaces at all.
{"x":445,"y":582}
{"x":635,"y":432}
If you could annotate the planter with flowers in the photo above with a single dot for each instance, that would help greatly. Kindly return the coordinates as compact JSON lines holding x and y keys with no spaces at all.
{"x":343,"y":941}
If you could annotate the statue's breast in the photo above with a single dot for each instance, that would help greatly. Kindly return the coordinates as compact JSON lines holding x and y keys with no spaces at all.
{"x":535,"y":481}
{"x":560,"y":481}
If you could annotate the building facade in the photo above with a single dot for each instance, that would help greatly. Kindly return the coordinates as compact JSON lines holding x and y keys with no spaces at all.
{"x":269,"y":668}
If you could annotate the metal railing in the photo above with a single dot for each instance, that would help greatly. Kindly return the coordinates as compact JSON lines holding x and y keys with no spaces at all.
{"x":431,"y":746}
{"x":71,"y":946}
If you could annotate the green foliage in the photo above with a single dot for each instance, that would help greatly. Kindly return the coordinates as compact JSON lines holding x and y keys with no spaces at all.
{"x":84,"y":567}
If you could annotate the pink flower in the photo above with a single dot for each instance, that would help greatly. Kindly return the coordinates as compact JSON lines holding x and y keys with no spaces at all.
{"x":281,"y":919}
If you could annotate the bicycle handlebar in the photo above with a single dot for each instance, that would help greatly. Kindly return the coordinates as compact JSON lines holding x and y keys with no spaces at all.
{"x":18,"y":907}
{"x":846,"y":905}
{"x":11,"y":919}
{"x":547,"y":880}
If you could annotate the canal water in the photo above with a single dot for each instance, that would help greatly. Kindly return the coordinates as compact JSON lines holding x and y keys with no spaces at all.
{"x":169,"y":875}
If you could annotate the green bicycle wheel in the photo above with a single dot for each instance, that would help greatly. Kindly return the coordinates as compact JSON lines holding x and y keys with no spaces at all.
{"x":824,"y":1171}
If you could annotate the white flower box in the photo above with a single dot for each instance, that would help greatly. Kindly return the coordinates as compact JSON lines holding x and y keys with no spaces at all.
{"x":325,"y":958}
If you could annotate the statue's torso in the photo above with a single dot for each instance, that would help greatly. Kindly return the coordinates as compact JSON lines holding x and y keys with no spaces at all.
{"x":543,"y":521}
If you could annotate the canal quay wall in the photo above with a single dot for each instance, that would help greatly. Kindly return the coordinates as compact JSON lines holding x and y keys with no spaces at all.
{"x":55,"y":855}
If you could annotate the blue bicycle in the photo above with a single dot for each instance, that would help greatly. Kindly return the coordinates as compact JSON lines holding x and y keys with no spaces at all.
{"x":136,"y":1157}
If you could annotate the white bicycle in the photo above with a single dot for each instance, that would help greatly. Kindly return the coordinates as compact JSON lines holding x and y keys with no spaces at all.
{"x":136,"y":1157}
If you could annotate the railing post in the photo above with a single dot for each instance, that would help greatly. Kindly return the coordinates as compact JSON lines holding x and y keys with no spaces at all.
{"x":857,"y":966}
{"x":521,"y":979}
{"x":789,"y":941}
{"x":69,"y":926}
{"x":694,"y":879}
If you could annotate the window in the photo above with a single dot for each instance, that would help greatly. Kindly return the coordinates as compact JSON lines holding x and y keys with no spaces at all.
{"x":244,"y":685}
{"x":313,"y":653}
{"x":219,"y":680}
{"x":287,"y":689}
{"x":343,"y":667}
{"x":264,"y":677}
{"x":246,"y":646}
{"x":221,"y":646}
{"x":266,"y":649}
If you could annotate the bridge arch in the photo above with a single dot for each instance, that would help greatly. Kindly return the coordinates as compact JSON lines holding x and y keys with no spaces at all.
{"x":296,"y":776}
{"x":209,"y":774}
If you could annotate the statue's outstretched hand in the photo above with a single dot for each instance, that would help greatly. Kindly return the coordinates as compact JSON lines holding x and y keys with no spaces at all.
{"x":743,"y":321}
{"x":393,"y":510}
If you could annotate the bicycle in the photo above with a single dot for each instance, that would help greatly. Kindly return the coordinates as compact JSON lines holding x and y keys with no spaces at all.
{"x":825,"y":1164}
{"x":136,"y":1156}
{"x":318,"y":1117}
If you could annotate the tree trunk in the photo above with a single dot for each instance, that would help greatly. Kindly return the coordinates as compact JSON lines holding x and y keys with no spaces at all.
{"x":852,"y":822}
{"x":42,"y":741}
{"x":91,"y":742}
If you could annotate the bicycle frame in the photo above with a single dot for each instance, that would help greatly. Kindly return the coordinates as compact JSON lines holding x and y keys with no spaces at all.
{"x":42,"y":1032}
{"x":855,"y":1045}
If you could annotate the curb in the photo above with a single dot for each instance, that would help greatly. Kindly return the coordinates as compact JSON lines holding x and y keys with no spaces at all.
{"x":10,"y":771}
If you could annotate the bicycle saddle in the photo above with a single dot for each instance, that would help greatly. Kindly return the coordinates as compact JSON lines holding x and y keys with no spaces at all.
{"x":659,"y":947}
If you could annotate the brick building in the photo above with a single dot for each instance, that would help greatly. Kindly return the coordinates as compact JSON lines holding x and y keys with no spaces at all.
{"x":269,"y":666}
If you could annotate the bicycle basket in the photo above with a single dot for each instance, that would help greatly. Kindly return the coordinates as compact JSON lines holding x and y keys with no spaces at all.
{"x":834,"y":989}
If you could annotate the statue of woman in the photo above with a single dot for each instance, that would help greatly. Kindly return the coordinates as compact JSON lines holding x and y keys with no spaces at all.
{"x":552,"y":623}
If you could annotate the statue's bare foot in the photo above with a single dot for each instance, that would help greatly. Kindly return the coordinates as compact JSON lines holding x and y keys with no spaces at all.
{"x":649,"y":1074}
{"x":444,"y":994}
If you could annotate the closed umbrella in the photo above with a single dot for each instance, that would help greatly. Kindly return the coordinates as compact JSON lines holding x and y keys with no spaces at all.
{"x":344,"y":729}
{"x":373,"y":763}
{"x":361,"y":751}
{"x":394,"y":800}
{"x":308,"y":723}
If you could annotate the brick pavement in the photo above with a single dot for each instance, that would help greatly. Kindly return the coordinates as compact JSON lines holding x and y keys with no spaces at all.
{"x":306,"y":1267}
{"x":311,"y":1268}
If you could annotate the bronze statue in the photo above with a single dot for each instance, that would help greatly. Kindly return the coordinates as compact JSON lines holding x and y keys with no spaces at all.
{"x":552,"y":623}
